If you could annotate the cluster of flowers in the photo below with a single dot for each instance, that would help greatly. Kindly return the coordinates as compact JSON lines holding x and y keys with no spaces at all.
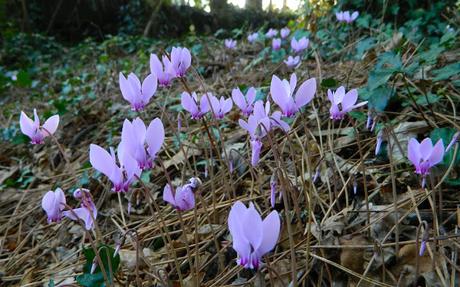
{"x":346,"y":16}
{"x":140,"y":145}
{"x":297,"y":46}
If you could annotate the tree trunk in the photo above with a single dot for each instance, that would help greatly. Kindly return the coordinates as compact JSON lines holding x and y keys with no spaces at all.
{"x":254,"y":5}
{"x":217,"y":6}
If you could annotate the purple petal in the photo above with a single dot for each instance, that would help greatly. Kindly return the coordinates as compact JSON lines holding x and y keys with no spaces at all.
{"x":155,"y":136}
{"x":51,"y":124}
{"x":168,"y":196}
{"x":413,"y":151}
{"x":27,"y":125}
{"x":437,"y":153}
{"x":271,"y":230}
{"x":149,"y":87}
{"x":305,"y":93}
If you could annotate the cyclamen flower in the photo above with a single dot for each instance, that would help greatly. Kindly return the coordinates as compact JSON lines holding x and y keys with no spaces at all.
{"x":190,"y":104}
{"x":163,"y":71}
{"x":252,"y":236}
{"x":121,"y":175}
{"x":271,"y":33}
{"x":184,"y":197}
{"x":342,"y":103}
{"x":300,"y":45}
{"x":276,"y":44}
{"x":136,"y":94}
{"x":53,"y":203}
{"x":34,"y":131}
{"x":141,"y":143}
{"x":244,"y":103}
{"x":424,"y":155}
{"x":345,"y":16}
{"x":181,"y":59}
{"x":258,"y":125}
{"x":87,"y":212}
{"x":285,"y":32}
{"x":292,"y":62}
{"x":230,"y":44}
{"x":253,"y":37}
{"x":282,"y":93}
{"x":221,"y":106}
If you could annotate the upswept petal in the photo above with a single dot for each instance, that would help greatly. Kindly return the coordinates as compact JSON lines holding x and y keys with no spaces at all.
{"x":51,"y":124}
{"x":188,"y":103}
{"x":155,"y":65}
{"x":437,"y":153}
{"x":101,"y":160}
{"x":155,"y":136}
{"x":238,"y":98}
{"x":149,"y":87}
{"x":349,"y":100}
{"x":126,"y":88}
{"x":339,"y":95}
{"x":252,"y":227}
{"x":305,"y":93}
{"x":168,"y":196}
{"x":413,"y":151}
{"x":271,"y":229}
{"x":27,"y":125}
{"x":425,"y":148}
{"x":278,"y":92}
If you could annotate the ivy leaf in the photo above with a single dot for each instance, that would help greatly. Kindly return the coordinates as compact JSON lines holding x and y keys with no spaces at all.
{"x":329,"y":83}
{"x":377,"y":98}
{"x":446,"y":72}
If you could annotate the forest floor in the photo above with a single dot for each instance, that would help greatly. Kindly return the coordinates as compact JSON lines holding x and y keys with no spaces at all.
{"x":361,"y":223}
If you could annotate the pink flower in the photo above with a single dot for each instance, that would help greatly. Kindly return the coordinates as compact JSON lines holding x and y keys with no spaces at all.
{"x":285,"y":32}
{"x":181,"y":59}
{"x":244,"y":103}
{"x":252,"y":236}
{"x":345,"y":16}
{"x":220,"y":107}
{"x":253,"y":37}
{"x":136,"y":94}
{"x":121,"y":175}
{"x":34,"y":131}
{"x":292,"y":62}
{"x":271,"y":33}
{"x":163,"y":71}
{"x":282,"y":93}
{"x":87,"y":212}
{"x":53,"y":203}
{"x":184,"y":198}
{"x":190,"y":104}
{"x":141,"y":143}
{"x":230,"y":44}
{"x":342,"y":103}
{"x":300,"y":45}
{"x":276,"y":44}
{"x":424,"y":155}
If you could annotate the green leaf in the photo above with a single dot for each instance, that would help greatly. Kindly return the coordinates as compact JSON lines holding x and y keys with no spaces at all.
{"x":446,"y":72}
{"x":377,"y":98}
{"x":364,"y":46}
{"x":51,"y":283}
{"x":278,"y":56}
{"x":378,"y":78}
{"x":23,"y":79}
{"x":97,"y":279}
{"x":446,"y":135}
{"x":329,"y":83}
